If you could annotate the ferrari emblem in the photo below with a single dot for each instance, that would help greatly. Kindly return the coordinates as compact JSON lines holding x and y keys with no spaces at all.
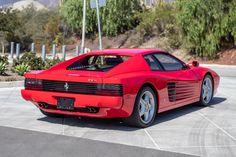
{"x":66,"y":86}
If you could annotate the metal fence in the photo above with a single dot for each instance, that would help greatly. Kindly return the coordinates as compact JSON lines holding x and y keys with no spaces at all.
{"x":15,"y":51}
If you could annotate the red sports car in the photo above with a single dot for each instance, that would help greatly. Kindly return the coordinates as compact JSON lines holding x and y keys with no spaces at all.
{"x":133,"y":84}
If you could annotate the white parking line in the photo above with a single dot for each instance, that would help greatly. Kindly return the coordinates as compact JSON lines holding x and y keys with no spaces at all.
{"x":219,"y":146}
{"x":153,"y":141}
{"x":63,"y":126}
{"x":11,"y":88}
{"x":217,"y":126}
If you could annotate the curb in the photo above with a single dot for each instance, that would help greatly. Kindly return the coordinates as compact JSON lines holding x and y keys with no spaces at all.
{"x":11,"y":84}
{"x":218,"y":65}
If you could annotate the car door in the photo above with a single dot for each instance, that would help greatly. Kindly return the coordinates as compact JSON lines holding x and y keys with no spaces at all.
{"x":182,"y":84}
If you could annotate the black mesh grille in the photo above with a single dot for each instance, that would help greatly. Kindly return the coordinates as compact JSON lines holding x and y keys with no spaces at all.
{"x":77,"y":87}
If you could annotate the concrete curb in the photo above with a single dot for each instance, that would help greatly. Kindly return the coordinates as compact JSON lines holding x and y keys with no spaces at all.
{"x":218,"y":65}
{"x":11,"y":84}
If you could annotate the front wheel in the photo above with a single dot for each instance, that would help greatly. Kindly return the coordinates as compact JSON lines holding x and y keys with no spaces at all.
{"x":145,"y":109}
{"x":206,"y":91}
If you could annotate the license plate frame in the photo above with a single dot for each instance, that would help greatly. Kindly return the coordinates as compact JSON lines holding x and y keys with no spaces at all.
{"x":66,"y":104}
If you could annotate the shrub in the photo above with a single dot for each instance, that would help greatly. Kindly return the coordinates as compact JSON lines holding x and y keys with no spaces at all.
{"x":205,"y":24}
{"x":4,"y":59}
{"x":51,"y":62}
{"x":29,"y":58}
{"x":160,"y":21}
{"x":59,"y":39}
{"x":21,"y":69}
{"x":3,"y":68}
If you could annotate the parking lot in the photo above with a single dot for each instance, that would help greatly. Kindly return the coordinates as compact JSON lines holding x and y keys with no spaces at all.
{"x":192,"y":130}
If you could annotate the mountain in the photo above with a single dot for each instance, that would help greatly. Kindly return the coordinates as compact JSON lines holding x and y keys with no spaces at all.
{"x":52,"y":4}
{"x":21,"y":5}
{"x":39,"y":4}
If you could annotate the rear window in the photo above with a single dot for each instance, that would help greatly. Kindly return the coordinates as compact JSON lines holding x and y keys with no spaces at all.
{"x":98,"y":62}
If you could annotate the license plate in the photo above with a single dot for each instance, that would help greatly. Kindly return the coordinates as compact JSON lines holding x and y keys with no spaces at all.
{"x":65,"y":104}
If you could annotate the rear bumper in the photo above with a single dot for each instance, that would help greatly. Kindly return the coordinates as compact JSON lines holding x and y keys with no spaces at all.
{"x":109,"y":106}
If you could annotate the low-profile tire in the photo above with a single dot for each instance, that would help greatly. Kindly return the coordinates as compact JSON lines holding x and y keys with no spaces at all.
{"x":51,"y":114}
{"x":145,"y":109}
{"x":207,"y":90}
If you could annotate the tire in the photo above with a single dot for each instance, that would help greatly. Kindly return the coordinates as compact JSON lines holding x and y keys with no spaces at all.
{"x":51,"y":114}
{"x":145,"y":109}
{"x":207,"y":90}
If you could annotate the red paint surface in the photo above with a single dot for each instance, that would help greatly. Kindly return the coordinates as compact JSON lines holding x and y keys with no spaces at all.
{"x":132,"y":74}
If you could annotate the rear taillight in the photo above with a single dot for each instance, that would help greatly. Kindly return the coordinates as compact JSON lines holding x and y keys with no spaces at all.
{"x":109,"y":89}
{"x":33,"y":84}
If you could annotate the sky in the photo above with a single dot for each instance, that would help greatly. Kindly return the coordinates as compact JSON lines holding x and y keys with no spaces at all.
{"x":7,"y":2}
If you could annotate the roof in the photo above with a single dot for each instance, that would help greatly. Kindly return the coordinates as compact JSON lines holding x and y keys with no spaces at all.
{"x":128,"y":52}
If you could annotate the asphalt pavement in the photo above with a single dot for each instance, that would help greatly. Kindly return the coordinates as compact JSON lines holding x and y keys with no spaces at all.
{"x":191,"y":130}
{"x":23,"y":143}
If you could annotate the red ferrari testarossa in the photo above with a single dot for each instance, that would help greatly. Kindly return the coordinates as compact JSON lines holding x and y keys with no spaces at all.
{"x":133,"y":84}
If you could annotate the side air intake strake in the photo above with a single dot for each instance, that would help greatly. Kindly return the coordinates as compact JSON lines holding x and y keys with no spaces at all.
{"x":180,"y":90}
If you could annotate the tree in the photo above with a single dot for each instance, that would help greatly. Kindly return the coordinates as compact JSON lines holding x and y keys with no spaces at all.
{"x":29,"y":25}
{"x":8,"y":25}
{"x":206,"y":24}
{"x":117,"y":16}
{"x":52,"y":27}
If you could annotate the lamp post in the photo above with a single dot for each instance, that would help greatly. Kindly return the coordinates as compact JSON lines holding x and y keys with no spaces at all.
{"x":84,"y":27}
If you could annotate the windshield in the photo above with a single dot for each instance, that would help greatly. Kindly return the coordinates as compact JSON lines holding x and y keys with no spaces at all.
{"x":98,"y":62}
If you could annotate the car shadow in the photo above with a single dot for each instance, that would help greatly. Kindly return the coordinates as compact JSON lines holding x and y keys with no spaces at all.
{"x":117,"y":124}
{"x":181,"y":111}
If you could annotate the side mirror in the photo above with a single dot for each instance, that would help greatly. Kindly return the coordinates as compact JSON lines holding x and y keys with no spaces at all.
{"x":194,"y":64}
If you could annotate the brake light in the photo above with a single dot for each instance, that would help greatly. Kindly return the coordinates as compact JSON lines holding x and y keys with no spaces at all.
{"x":33,"y":84}
{"x":109,"y":89}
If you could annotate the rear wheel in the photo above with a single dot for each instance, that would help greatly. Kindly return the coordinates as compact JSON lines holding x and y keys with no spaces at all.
{"x":145,"y":109}
{"x":206,"y":91}
{"x":51,"y":114}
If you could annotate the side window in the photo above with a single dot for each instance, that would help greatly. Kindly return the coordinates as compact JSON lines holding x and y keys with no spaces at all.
{"x":152,"y":62}
{"x":169,"y":62}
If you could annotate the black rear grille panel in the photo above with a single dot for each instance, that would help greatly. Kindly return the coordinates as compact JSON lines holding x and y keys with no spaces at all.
{"x":74,"y":87}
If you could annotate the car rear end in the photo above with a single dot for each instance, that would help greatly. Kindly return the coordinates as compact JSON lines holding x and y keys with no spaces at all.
{"x":77,"y":87}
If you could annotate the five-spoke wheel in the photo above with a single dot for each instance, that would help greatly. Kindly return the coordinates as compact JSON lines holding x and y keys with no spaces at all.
{"x":145,"y":108}
{"x":206,"y":91}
